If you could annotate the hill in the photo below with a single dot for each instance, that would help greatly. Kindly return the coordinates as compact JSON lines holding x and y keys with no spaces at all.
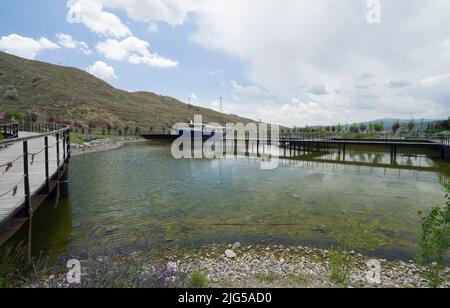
{"x":71,"y":94}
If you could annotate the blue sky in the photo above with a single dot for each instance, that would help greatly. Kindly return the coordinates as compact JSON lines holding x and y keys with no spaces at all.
{"x":299,"y":63}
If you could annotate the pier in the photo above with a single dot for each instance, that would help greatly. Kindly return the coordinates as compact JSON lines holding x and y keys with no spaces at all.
{"x":34,"y":165}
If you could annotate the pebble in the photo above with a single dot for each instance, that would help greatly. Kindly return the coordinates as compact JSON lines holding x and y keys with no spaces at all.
{"x":230,"y":254}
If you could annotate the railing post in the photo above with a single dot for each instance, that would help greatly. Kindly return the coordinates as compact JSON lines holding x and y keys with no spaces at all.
{"x":57,"y":151}
{"x":64,"y":145}
{"x":68,"y":146}
{"x":47,"y":171}
{"x":28,"y":206}
{"x":26,"y":176}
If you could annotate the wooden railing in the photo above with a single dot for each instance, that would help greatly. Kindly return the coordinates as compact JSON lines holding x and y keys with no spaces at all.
{"x":9,"y":130}
{"x":43,"y":131}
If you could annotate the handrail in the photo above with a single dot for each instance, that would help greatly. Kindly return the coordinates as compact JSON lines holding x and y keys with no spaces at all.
{"x":60,"y":129}
{"x":9,"y":130}
{"x":57,"y":130}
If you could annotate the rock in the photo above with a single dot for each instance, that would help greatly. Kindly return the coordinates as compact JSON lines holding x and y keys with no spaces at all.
{"x":230,"y":254}
{"x":172,"y":267}
{"x":236,"y":245}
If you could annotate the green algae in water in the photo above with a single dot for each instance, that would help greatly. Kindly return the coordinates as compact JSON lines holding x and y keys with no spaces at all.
{"x":139,"y":191}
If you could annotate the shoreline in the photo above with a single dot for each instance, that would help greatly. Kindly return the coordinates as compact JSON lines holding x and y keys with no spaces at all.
{"x":100,"y":145}
{"x":261,"y":266}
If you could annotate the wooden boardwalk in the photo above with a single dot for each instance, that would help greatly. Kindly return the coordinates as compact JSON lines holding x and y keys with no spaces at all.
{"x":12,"y":191}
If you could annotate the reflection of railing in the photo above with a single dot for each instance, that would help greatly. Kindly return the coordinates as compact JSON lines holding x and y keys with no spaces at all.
{"x":364,"y":136}
{"x":9,"y":130}
{"x":24,"y":159}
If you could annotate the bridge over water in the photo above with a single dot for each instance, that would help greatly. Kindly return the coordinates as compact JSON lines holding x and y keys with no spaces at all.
{"x":311,"y":143}
{"x":34,"y":164}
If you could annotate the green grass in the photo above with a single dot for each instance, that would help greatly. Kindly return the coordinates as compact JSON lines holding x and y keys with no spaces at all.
{"x":269,"y":278}
{"x":198,"y":279}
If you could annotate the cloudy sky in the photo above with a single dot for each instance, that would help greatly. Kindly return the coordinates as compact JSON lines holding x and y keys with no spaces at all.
{"x":293,"y":62}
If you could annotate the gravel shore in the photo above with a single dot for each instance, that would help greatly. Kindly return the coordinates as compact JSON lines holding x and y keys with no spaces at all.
{"x":292,"y":267}
{"x":233,"y":266}
{"x":101,"y":145}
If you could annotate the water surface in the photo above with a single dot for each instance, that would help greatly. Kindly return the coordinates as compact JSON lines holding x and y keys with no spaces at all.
{"x":139,"y":192}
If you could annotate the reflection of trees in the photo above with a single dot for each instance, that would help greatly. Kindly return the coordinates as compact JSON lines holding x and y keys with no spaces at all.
{"x":378,"y":158}
{"x":409,"y":162}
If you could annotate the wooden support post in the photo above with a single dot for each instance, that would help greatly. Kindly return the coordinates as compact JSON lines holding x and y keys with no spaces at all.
{"x":47,"y":171}
{"x":28,"y":207}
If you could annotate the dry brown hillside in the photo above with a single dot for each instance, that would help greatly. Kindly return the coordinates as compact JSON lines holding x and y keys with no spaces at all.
{"x":72,"y":94}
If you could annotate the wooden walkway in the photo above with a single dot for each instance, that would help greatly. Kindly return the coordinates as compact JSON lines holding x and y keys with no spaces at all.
{"x":12,"y":191}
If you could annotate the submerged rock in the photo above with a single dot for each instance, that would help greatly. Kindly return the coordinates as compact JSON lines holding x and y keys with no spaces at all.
{"x":236,"y":245}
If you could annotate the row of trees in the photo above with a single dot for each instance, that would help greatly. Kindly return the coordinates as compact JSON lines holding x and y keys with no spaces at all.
{"x":375,"y":127}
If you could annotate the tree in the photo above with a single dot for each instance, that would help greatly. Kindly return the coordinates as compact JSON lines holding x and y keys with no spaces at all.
{"x":396,"y":126}
{"x":379,"y":127}
{"x":355,"y":128}
{"x":16,"y":115}
{"x":363,"y":127}
{"x":7,"y":116}
{"x":411,"y":125}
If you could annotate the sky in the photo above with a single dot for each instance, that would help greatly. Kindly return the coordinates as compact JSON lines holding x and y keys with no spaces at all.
{"x":290,"y":62}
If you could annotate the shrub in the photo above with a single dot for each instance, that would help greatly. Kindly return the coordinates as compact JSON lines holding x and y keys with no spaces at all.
{"x":11,"y":93}
{"x":361,"y":236}
{"x":435,"y":242}
{"x":198,"y":280}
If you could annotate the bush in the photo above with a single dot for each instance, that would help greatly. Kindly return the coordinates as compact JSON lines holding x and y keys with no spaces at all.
{"x":198,"y":280}
{"x":435,"y":242}
{"x":11,"y":93}
{"x":361,"y":236}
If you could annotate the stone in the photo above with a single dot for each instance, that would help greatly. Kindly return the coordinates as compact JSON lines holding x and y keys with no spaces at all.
{"x":172,"y":267}
{"x":230,"y":254}
{"x":236,"y":245}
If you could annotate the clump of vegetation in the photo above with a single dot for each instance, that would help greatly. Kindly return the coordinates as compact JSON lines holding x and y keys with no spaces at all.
{"x":435,"y":243}
{"x":10,"y":92}
{"x":198,"y":280}
{"x":360,"y":237}
{"x":269,"y":278}
{"x":12,"y":260}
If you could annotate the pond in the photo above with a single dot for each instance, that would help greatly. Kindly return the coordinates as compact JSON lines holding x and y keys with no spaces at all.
{"x":139,"y":192}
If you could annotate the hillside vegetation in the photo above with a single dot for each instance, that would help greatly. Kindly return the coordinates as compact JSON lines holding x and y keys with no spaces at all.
{"x":70,"y":94}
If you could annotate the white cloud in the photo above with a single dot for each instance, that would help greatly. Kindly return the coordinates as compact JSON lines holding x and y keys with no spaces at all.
{"x":434,"y":80}
{"x":280,"y":52}
{"x":67,"y":41}
{"x":133,"y":50}
{"x":153,"y":27}
{"x":91,"y":13}
{"x":353,"y":58}
{"x":102,"y":70}
{"x":172,"y":12}
{"x":25,"y":47}
{"x":251,"y":91}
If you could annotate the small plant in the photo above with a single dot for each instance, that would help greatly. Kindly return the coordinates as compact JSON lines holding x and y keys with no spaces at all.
{"x":198,"y":280}
{"x":361,"y":236}
{"x":12,"y":258}
{"x":435,"y":243}
{"x":269,"y":278}
{"x":11,"y":93}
